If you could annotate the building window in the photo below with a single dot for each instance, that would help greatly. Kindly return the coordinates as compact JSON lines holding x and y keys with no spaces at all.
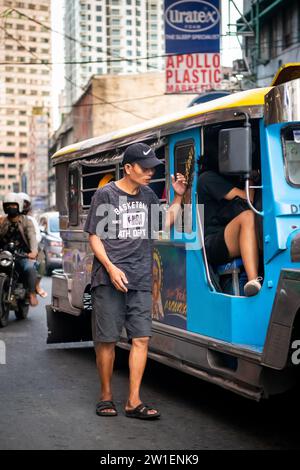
{"x":287,"y":30}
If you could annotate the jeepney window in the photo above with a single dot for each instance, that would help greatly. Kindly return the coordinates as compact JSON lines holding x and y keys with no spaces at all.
{"x":73,"y":198}
{"x":61,"y":179}
{"x":291,"y":153}
{"x":184,"y":162}
{"x":93,"y":178}
{"x":158,"y":181}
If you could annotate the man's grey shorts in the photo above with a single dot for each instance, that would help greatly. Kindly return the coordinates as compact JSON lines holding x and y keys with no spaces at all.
{"x":113,"y":310}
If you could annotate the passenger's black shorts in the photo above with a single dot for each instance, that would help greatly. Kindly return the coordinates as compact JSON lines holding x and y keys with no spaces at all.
{"x":216,"y":248}
{"x":113,"y":310}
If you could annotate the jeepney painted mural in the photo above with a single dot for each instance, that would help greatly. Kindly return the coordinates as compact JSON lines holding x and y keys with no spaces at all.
{"x":169,"y":285}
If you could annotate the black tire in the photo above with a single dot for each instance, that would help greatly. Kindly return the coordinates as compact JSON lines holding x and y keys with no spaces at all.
{"x":4,"y":306}
{"x":23,"y":309}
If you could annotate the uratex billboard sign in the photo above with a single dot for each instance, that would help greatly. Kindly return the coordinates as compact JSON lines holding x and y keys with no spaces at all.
{"x":192,"y":26}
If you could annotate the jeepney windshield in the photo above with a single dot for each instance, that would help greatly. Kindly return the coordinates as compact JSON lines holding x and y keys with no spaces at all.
{"x":291,"y":153}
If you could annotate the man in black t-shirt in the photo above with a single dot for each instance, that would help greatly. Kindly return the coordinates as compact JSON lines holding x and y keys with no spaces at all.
{"x":119,"y":227}
{"x":229,"y":225}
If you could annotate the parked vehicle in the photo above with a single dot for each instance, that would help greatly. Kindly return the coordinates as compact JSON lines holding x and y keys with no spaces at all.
{"x":244,"y":344}
{"x":13,"y":294}
{"x":51,"y":244}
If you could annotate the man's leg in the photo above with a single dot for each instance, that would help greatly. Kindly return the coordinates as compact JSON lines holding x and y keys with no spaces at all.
{"x":28,"y":270}
{"x":137,"y":364}
{"x":108,"y":316}
{"x":105,"y":357}
{"x":240,"y":238}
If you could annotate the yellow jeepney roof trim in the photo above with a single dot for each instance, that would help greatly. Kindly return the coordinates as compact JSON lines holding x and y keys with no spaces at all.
{"x":248,"y":98}
{"x":286,"y":73}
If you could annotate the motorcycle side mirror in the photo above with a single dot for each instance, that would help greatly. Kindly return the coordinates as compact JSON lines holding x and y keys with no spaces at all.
{"x":11,"y":246}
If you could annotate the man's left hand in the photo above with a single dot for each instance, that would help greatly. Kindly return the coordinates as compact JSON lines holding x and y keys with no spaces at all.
{"x":179,"y":185}
{"x":32,"y":255}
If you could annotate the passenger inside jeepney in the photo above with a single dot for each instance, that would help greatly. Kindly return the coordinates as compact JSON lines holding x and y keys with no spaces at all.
{"x":229,"y":224}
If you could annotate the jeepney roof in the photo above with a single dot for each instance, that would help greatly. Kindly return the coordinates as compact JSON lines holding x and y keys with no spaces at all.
{"x":248,"y":100}
{"x":286,"y":73}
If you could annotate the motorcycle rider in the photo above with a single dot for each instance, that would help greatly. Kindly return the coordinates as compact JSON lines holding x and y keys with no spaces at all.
{"x":17,"y":228}
{"x":27,"y":210}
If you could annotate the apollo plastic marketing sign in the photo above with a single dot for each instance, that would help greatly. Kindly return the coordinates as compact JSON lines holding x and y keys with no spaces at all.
{"x":192,"y":26}
{"x":192,"y":32}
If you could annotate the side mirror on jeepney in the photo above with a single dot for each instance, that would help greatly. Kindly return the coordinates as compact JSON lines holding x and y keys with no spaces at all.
{"x":235,"y":154}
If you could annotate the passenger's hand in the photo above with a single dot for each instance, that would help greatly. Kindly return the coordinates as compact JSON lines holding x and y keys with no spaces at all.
{"x":32,"y":255}
{"x":180,"y":184}
{"x":118,"y":278}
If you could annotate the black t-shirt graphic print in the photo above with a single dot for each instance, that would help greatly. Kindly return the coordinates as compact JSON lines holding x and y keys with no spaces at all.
{"x":123,"y":223}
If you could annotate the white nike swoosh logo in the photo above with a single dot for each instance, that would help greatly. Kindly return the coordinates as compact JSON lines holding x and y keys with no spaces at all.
{"x":148,"y":151}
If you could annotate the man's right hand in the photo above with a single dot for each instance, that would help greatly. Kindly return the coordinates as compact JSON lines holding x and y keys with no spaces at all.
{"x":118,"y":278}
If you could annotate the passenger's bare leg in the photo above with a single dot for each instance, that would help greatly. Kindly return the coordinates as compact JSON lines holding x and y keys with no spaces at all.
{"x":105,"y":357}
{"x":240,"y":238}
{"x":137,"y":364}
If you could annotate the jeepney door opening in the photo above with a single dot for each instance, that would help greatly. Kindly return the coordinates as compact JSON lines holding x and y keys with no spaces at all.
{"x":223,"y":280}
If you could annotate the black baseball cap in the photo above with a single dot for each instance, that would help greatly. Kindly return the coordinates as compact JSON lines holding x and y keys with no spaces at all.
{"x":141,"y":154}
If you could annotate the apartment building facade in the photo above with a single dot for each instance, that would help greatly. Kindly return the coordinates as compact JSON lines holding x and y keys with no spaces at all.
{"x":111,"y":37}
{"x":25,"y":87}
{"x":275,"y":36}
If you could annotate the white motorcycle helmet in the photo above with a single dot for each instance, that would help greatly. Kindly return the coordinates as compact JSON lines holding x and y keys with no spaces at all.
{"x":13,"y":198}
{"x":26,"y":202}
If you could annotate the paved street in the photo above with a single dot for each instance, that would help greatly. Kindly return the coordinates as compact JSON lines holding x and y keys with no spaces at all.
{"x":48,"y":397}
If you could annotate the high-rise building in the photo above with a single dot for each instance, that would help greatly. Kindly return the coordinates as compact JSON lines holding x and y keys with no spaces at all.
{"x":111,"y":37}
{"x":25,"y":86}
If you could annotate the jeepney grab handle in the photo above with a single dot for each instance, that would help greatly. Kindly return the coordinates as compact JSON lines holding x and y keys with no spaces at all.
{"x":247,"y":187}
{"x":200,"y":229}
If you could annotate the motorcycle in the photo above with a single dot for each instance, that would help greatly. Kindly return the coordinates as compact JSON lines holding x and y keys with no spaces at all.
{"x":13,"y":293}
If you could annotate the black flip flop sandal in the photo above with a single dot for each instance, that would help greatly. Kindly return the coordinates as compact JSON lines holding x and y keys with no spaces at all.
{"x":141,"y":412}
{"x":106,"y":405}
